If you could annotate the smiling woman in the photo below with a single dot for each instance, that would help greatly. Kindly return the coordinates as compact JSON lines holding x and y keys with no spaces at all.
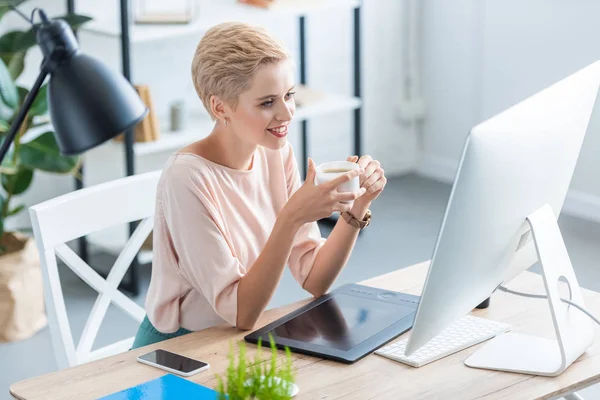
{"x":231,"y":210}
{"x":244,"y":78}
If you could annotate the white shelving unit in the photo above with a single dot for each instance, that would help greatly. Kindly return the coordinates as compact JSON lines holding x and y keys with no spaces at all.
{"x":170,"y":141}
{"x":215,"y":13}
{"x":197,"y":126}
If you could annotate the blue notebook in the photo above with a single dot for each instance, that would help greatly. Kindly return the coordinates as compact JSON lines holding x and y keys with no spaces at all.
{"x":167,"y":387}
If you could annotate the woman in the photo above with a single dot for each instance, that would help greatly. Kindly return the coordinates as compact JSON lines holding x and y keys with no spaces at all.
{"x":231,"y":210}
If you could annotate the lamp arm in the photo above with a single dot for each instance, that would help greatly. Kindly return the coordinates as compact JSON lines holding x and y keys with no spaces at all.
{"x":18,"y":121}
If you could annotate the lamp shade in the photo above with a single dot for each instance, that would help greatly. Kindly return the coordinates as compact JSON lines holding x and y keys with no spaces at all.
{"x":90,"y":104}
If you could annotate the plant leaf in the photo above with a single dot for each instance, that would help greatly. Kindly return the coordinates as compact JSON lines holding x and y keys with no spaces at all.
{"x":40,"y":103}
{"x":4,"y":126}
{"x":5,"y":6}
{"x":16,"y":65}
{"x":19,"y":182}
{"x":16,"y":210}
{"x":23,"y":92}
{"x":6,"y":113}
{"x":28,"y":40}
{"x":2,"y":201}
{"x":24,"y":42}
{"x":8,"y":89}
{"x":75,"y":20}
{"x":7,"y":44}
{"x":38,"y":124}
{"x":43,"y":153}
{"x":3,"y":10}
{"x":8,"y":166}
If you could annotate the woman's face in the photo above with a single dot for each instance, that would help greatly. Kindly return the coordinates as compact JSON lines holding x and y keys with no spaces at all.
{"x":265,"y":110}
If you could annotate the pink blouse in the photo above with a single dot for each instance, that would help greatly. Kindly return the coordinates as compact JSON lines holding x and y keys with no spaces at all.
{"x":211,"y":224}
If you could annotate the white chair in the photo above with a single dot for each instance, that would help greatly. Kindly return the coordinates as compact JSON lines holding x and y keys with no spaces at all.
{"x":60,"y":220}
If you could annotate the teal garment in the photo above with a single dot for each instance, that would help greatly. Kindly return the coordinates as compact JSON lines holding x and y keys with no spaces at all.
{"x":148,"y":334}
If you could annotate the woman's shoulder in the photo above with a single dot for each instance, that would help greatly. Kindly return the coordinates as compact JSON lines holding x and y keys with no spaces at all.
{"x":181,"y":169}
{"x":183,"y":164}
{"x":185,"y":180}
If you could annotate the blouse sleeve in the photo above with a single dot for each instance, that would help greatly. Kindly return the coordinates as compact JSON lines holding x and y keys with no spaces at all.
{"x":308,"y":240}
{"x":205,"y":258}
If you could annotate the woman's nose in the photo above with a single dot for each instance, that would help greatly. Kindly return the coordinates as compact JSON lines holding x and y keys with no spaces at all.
{"x":285,"y":112}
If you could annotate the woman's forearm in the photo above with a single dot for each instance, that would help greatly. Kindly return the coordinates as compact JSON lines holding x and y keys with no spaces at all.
{"x":256,"y":288}
{"x":334,"y":255}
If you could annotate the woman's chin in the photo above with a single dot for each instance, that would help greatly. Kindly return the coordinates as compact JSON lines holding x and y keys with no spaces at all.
{"x":275,"y":144}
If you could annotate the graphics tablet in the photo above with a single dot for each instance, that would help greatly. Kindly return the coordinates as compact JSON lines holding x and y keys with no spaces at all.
{"x":344,"y":325}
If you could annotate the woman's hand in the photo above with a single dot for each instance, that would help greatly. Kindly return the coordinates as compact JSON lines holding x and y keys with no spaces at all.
{"x":314,"y":202}
{"x":373,"y":180}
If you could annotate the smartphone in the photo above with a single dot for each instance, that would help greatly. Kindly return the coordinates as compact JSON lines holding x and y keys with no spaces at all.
{"x":171,"y":362}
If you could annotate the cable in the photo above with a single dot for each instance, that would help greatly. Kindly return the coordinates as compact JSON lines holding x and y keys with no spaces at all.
{"x":541,"y":296}
{"x":32,"y":14}
{"x":15,"y":9}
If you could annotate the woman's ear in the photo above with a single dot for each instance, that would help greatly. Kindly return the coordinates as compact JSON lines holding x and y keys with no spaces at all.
{"x":217,"y":107}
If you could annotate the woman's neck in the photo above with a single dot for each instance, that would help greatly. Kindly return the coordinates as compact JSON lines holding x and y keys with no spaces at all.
{"x":225,"y":149}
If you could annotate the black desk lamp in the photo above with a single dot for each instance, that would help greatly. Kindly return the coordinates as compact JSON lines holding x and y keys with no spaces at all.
{"x":89,"y":104}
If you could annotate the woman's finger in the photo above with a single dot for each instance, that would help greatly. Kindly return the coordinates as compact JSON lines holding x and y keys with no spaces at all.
{"x":377,"y":186}
{"x":364,"y":161}
{"x":347,"y":177}
{"x":342,"y":207}
{"x":349,"y":196}
{"x":369,"y":171}
{"x":377,"y":175}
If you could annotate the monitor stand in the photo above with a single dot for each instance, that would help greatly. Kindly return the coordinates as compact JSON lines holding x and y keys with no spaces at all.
{"x":575,"y":331}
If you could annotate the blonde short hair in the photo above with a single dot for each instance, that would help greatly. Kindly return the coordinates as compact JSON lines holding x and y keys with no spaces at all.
{"x":227,"y":57}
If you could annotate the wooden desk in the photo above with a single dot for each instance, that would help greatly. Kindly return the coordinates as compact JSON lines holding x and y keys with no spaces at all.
{"x":371,"y":377}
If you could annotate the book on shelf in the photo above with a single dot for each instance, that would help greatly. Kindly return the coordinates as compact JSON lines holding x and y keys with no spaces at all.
{"x":148,"y":129}
{"x":258,"y":3}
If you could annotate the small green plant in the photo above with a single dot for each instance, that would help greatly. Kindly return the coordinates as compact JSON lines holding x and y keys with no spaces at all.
{"x":261,"y":379}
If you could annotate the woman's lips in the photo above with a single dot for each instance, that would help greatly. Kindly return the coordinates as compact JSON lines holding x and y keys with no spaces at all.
{"x":279,"y":132}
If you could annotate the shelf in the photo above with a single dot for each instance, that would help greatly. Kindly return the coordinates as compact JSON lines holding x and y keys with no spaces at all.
{"x":200,"y":127}
{"x":331,"y":103}
{"x":211,"y":15}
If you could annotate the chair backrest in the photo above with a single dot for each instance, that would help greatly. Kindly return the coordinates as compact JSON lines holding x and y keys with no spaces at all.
{"x":62,"y":219}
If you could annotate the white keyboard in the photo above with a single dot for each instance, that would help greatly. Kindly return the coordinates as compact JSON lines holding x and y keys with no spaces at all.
{"x":466,"y":332}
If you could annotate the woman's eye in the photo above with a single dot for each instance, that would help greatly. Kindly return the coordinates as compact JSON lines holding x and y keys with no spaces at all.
{"x":269,"y":103}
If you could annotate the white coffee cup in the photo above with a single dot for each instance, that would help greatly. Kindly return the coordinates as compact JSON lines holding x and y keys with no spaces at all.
{"x":330,"y":170}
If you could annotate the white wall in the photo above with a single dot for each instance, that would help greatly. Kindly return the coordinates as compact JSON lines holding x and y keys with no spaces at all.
{"x":481,"y":56}
{"x":451,"y":69}
{"x":164,"y":65}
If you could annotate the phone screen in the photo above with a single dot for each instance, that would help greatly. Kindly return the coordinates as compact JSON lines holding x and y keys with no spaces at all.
{"x":173,"y":361}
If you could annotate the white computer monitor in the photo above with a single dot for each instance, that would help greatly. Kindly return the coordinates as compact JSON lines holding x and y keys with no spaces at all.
{"x":511,"y":166}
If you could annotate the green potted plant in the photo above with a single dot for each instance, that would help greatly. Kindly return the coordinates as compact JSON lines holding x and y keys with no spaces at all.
{"x":21,"y":300}
{"x":260,"y":379}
